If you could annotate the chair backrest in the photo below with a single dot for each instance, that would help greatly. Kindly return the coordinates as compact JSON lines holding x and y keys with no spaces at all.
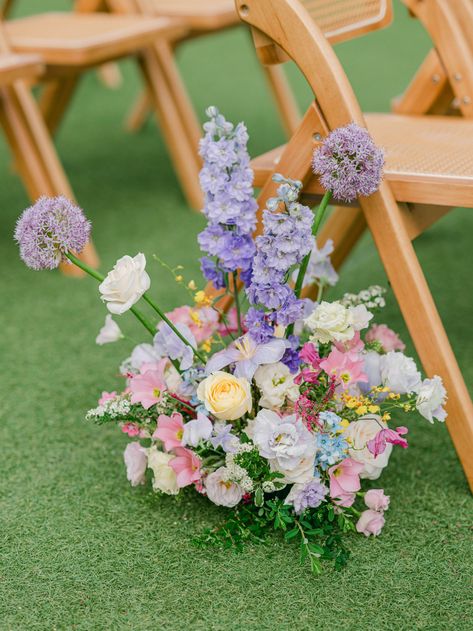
{"x":340,"y":20}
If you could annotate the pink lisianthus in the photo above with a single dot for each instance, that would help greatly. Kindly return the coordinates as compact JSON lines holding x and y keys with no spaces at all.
{"x":375,"y":499}
{"x":107,"y":396}
{"x":389,"y":340}
{"x":345,"y":481}
{"x":170,"y":430}
{"x":371,"y":522}
{"x":347,"y":368}
{"x":355,"y":345}
{"x":202,"y":322}
{"x":149,"y":386}
{"x":131,"y":429}
{"x":377,"y":445}
{"x":186,"y":465}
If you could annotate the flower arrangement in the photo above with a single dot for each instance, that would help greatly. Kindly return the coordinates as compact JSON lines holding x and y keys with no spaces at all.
{"x":279,"y":408}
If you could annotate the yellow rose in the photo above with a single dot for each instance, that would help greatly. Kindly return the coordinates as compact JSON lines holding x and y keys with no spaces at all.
{"x":225,"y":396}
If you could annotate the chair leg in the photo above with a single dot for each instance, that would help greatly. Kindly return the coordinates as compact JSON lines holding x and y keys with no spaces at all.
{"x":285,"y":101}
{"x":35,"y":154}
{"x":421,"y":316}
{"x":139,"y":112}
{"x":183,"y":149}
{"x":55,"y":100}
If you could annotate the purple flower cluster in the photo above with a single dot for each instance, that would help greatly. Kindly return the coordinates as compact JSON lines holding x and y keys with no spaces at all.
{"x":286,"y":239}
{"x":49,"y":229}
{"x":227,"y":181}
{"x":310,"y":496}
{"x":349,"y":163}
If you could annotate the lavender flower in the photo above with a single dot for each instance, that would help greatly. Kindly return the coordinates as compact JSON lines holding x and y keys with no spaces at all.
{"x":349,"y":163}
{"x":291,"y":357}
{"x":168,"y":344}
{"x":227,"y":181}
{"x":287,"y":238}
{"x":308,"y":495}
{"x":257,"y":322}
{"x":49,"y":229}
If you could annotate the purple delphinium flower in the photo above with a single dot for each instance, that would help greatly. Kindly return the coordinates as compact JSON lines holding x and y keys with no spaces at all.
{"x":349,"y":163}
{"x":291,"y":356}
{"x":49,"y":229}
{"x":308,"y":495}
{"x":168,"y":344}
{"x":258,"y":325}
{"x":286,"y":239}
{"x":247,"y":356}
{"x":227,"y":182}
{"x":212,"y":273}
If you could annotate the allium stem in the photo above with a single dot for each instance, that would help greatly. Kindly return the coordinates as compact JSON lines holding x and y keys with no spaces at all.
{"x":165,"y":319}
{"x":100,"y":277}
{"x":237,"y":302}
{"x":305,"y":262}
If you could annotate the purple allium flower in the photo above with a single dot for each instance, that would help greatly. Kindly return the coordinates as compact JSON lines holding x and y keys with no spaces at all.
{"x":349,"y":163}
{"x":49,"y":229}
{"x":212,"y":273}
{"x":259,"y":328}
{"x":308,"y":495}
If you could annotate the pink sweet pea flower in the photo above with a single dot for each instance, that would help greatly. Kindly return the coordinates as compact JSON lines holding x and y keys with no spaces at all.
{"x":389,"y":340}
{"x":347,"y":368}
{"x":107,"y":396}
{"x":202,"y":322}
{"x":355,"y":345}
{"x":310,"y":355}
{"x":149,"y":386}
{"x":345,"y":481}
{"x":170,"y":430}
{"x":377,"y":445}
{"x":131,"y":429}
{"x":186,"y":465}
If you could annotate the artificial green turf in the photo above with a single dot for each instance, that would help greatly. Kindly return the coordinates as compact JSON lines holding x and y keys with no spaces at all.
{"x":80,"y":549}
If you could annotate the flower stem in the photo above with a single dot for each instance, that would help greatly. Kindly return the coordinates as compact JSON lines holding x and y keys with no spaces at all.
{"x":100,"y":277}
{"x":305,"y":262}
{"x":163,"y":317}
{"x":237,"y":302}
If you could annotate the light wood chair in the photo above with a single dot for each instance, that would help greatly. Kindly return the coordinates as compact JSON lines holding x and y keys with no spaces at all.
{"x":27,"y":135}
{"x":72,"y":43}
{"x":429,"y":167}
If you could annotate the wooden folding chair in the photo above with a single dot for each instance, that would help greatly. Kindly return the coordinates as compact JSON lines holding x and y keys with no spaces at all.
{"x":428,"y":163}
{"x":27,"y":135}
{"x":72,"y":43}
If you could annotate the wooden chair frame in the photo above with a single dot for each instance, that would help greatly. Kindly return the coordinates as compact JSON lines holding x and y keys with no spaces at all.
{"x":284,"y":25}
{"x":33,"y":151}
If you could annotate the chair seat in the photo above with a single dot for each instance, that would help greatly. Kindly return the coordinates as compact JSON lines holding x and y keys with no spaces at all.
{"x":199,"y":15}
{"x":429,"y":160}
{"x":13,"y":67}
{"x":72,"y":39}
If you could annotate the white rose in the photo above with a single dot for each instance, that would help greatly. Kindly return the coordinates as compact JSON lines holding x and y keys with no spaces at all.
{"x":165,"y":479}
{"x":301,"y":473}
{"x":276,"y":384}
{"x":359,"y":433}
{"x":125,"y":284}
{"x":430,"y":399}
{"x":330,"y":321}
{"x":360,"y":317}
{"x":225,"y":396}
{"x":222,"y":491}
{"x":135,"y":462}
{"x":110,"y":332}
{"x":399,"y":373}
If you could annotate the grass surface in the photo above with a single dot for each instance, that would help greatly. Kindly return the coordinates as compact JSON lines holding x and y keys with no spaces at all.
{"x":80,"y":549}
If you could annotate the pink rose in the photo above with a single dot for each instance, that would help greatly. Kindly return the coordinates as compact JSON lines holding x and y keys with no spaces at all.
{"x":376,"y":500}
{"x":389,"y":340}
{"x":370,"y":523}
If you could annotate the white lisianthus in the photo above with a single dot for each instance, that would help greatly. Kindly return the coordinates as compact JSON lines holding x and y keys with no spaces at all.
{"x":399,"y":373}
{"x":301,"y":473}
{"x":360,"y":317}
{"x":221,"y":490}
{"x":165,"y":479}
{"x":225,"y":396}
{"x":276,"y":384}
{"x":358,"y":433}
{"x":431,"y":398}
{"x":330,"y":322}
{"x":110,"y":332}
{"x":196,"y":430}
{"x":285,"y":440}
{"x":135,"y":462}
{"x":125,"y":283}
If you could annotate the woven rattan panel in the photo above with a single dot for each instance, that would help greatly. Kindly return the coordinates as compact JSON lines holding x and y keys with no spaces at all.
{"x":338,"y":17}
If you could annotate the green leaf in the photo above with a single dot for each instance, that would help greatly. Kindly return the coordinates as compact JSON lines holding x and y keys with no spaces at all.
{"x":259,"y":497}
{"x":291,"y":534}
